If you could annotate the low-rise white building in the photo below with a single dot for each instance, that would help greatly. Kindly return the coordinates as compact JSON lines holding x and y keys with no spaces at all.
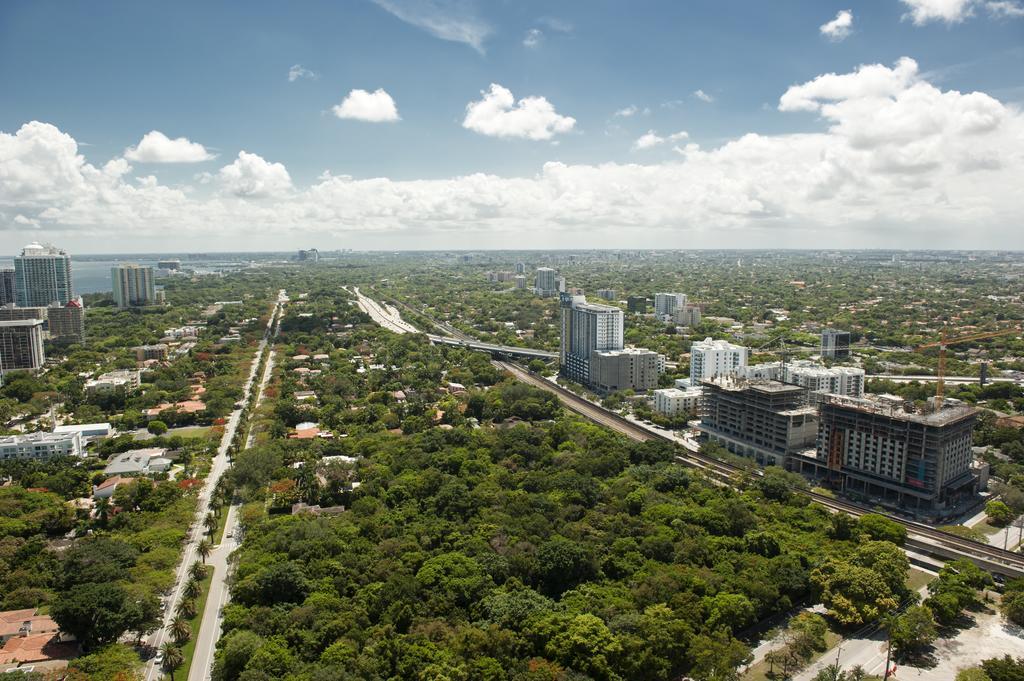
{"x":674,"y":401}
{"x":711,"y":358}
{"x":138,"y":462}
{"x":88,"y":431}
{"x":40,"y":446}
{"x":817,"y":378}
{"x":127,"y":380}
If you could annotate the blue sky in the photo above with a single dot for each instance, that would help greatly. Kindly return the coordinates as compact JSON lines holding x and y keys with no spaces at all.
{"x":217,"y":73}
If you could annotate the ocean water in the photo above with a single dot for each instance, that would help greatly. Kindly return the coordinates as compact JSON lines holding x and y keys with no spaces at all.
{"x":92,"y":274}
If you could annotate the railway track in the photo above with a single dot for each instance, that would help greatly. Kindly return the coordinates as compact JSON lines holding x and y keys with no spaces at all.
{"x":919,"y":536}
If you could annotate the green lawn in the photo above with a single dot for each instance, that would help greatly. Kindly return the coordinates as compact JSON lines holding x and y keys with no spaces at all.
{"x":918,"y":578}
{"x":190,"y":431}
{"x":189,"y":648}
{"x":221,"y":524}
{"x":987,"y":528}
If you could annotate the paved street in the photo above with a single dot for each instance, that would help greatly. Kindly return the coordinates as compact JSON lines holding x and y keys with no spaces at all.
{"x":189,"y":554}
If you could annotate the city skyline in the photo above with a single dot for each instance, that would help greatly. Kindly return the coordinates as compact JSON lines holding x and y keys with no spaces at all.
{"x":815,"y":125}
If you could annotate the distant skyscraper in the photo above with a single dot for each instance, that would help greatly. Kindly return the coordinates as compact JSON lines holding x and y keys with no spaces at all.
{"x":587,"y":329}
{"x":710,"y":358}
{"x":67,"y":322}
{"x":606,"y":293}
{"x":546,"y":282}
{"x":835,"y":344}
{"x":171,"y":265}
{"x":520,"y":268}
{"x":666,"y":304}
{"x":309,"y":255}
{"x":520,"y":281}
{"x":42,"y":275}
{"x":21,"y":344}
{"x":133,"y":285}
{"x":7,"y":286}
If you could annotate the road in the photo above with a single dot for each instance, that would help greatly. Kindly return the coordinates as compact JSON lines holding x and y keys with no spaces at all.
{"x":210,"y":625}
{"x":195,"y":534}
{"x":385,"y":315}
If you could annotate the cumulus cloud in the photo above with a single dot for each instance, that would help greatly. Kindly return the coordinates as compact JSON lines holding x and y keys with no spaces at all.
{"x":1005,"y":8}
{"x":375,"y":107}
{"x":626,"y":112}
{"x":252,"y":176}
{"x":898,"y":161}
{"x":298,"y":71}
{"x":839,"y":28}
{"x":498,"y":114}
{"x":703,"y":96}
{"x":955,"y":11}
{"x":651,"y":139}
{"x":453,"y":20}
{"x":156,"y":147}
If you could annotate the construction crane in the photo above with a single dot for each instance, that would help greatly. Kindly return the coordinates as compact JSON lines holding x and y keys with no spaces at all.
{"x":943,"y":343}
{"x":783,"y":352}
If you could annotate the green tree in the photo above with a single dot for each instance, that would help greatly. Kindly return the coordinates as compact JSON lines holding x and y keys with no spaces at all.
{"x":717,"y":656}
{"x":880,"y":528}
{"x":98,"y":614}
{"x":180,"y":629}
{"x":586,"y":645}
{"x":114,"y":661}
{"x":203,"y":549}
{"x":1004,"y":668}
{"x":157,"y":427}
{"x":913,"y":631}
{"x":999,"y":513}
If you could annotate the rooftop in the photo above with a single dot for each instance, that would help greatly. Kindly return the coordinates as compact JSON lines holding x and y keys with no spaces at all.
{"x":894,"y":409}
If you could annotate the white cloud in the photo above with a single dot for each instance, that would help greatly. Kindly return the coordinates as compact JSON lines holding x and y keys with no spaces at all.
{"x":703,"y":96}
{"x":156,"y":147}
{"x":949,"y":11}
{"x":867,"y":82}
{"x":297,"y":71}
{"x":498,"y":114}
{"x":651,"y":139}
{"x":251,"y":176}
{"x":375,"y":107}
{"x":900,"y":163}
{"x":839,"y":28}
{"x":1005,"y":8}
{"x":453,"y":20}
{"x":533,"y":38}
{"x":626,"y":112}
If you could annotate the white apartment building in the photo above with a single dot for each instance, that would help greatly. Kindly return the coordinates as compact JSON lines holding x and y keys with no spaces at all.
{"x":125,"y":379}
{"x":587,"y":328}
{"x":710,"y":358}
{"x":40,"y":446}
{"x":674,"y":401}
{"x":815,"y":377}
{"x":666,"y":304}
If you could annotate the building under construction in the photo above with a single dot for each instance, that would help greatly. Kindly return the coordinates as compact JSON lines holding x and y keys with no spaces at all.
{"x":765,"y":420}
{"x":877,"y":451}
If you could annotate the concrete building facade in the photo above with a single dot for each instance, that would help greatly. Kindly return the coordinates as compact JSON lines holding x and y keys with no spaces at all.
{"x":764,"y":420}
{"x":42,"y":275}
{"x":40,"y":446}
{"x":67,"y":322}
{"x":666,"y":304}
{"x":587,"y":328}
{"x":835,"y":344}
{"x":815,"y":377}
{"x":675,"y":401}
{"x":21,"y":344}
{"x":133,"y":285}
{"x":546,"y":282}
{"x":7,"y":286}
{"x":710,"y":358}
{"x":635,"y":369}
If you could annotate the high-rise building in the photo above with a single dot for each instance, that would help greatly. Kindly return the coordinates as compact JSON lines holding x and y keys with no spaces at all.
{"x":765,"y":420}
{"x":21,"y":344}
{"x":587,"y":328}
{"x":606,"y":293}
{"x":170,"y":265}
{"x":666,"y":304}
{"x":711,"y":358}
{"x":133,"y":285}
{"x":637,"y":304}
{"x":7,"y":286}
{"x":67,"y":323}
{"x":816,"y":378}
{"x":42,"y":275}
{"x":520,"y":268}
{"x":309,"y":255}
{"x":687,"y":315}
{"x":546,"y":282}
{"x":875,"y":450}
{"x":13,"y":312}
{"x":520,"y":281}
{"x":627,"y":369}
{"x":835,"y":344}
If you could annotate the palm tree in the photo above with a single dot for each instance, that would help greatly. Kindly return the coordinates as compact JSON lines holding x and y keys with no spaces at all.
{"x":192,"y":589}
{"x":186,"y":608}
{"x":197,"y":571}
{"x":181,"y":630}
{"x":204,"y":549}
{"x":172,"y":658}
{"x":210,"y":521}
